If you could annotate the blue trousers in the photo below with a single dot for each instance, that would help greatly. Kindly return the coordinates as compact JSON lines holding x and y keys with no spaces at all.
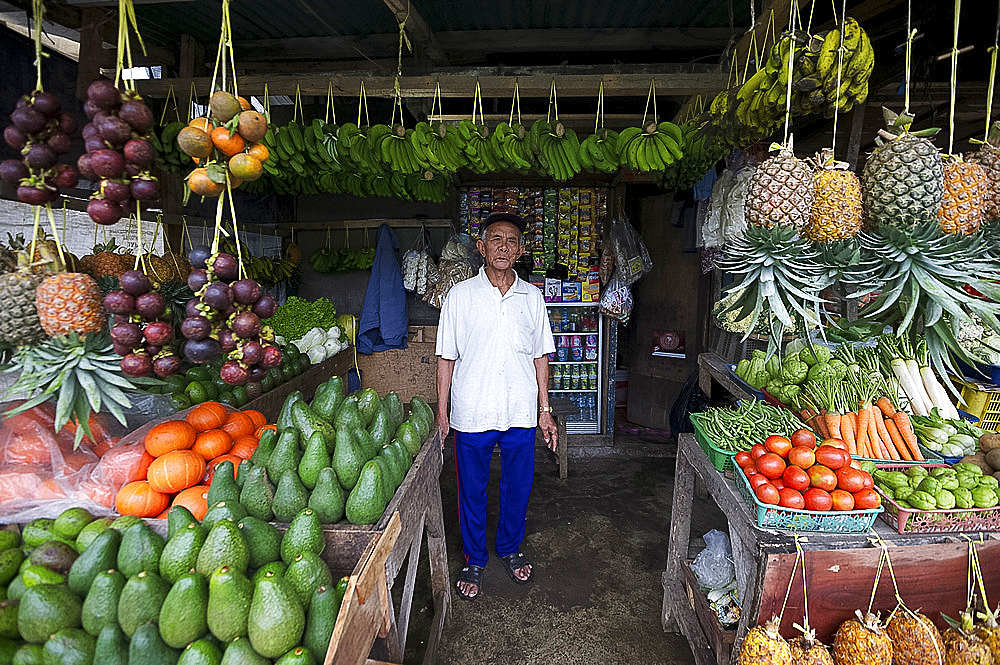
{"x":473,"y":452}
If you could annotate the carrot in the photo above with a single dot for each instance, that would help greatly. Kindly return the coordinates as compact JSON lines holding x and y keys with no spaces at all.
{"x":820,"y":425}
{"x":886,"y":407}
{"x":811,"y":419}
{"x":897,"y":438}
{"x":902,"y":421}
{"x":833,"y":424}
{"x":862,"y":433}
{"x":849,"y":430}
{"x":890,"y":443}
{"x":888,"y":450}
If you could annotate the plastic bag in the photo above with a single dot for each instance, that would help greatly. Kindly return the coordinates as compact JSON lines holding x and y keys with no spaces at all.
{"x":462,"y":247}
{"x":419,"y":270}
{"x":616,"y":301}
{"x":631,"y":256}
{"x":714,"y":565}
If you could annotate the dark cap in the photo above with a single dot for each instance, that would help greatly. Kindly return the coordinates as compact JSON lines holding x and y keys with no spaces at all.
{"x":508,"y":217}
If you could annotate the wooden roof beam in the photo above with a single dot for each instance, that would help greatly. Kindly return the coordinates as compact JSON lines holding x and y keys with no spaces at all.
{"x":421,"y":37}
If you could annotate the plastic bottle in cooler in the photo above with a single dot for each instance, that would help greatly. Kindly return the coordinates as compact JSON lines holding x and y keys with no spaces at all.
{"x":557,"y":377}
{"x":592,"y":377}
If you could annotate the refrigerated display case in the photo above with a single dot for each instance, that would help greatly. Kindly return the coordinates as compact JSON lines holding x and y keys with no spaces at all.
{"x":578,"y":369}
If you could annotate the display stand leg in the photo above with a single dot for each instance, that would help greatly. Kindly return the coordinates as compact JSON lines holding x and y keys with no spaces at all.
{"x":680,"y":534}
{"x":437,"y":558}
{"x":403,"y":619}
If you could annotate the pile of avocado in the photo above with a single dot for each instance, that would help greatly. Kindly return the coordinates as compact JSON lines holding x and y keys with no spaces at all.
{"x":81,"y":591}
{"x":339,"y":455}
{"x":962,"y":485}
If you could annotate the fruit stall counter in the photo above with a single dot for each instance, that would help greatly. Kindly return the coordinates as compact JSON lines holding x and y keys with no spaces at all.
{"x":930,"y":568}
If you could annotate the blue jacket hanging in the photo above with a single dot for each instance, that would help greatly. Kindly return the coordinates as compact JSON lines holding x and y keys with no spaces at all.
{"x":383,"y":322}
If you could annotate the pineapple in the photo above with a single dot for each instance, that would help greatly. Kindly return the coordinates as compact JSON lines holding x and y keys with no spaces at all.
{"x":764,"y":645}
{"x":159,"y":269}
{"x":962,"y":646}
{"x":915,"y":639}
{"x":179,"y":265}
{"x":862,"y":641}
{"x":965,"y":185}
{"x":989,"y":158}
{"x":989,"y":632}
{"x":836,"y":211}
{"x":903,"y":178}
{"x":69,"y":302}
{"x":19,"y":323}
{"x":807,"y":650}
{"x":105,"y":262}
{"x":781,"y":191}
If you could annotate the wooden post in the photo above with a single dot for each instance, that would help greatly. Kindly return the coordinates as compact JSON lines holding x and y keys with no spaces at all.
{"x":88,"y":68}
{"x":854,"y":142}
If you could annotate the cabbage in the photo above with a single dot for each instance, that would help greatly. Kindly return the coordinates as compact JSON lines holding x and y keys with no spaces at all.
{"x":316,"y":354}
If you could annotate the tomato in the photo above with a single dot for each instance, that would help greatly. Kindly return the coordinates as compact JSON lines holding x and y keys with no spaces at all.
{"x":779,"y":445}
{"x":778,"y":482}
{"x":869,"y":482}
{"x":832,"y":457}
{"x":757,"y":480}
{"x":817,"y":499}
{"x":749,"y":470}
{"x":850,"y":479}
{"x":867,"y":499}
{"x":768,"y":493}
{"x":757,"y":450}
{"x":822,"y":477}
{"x":802,"y":456}
{"x":836,"y":443}
{"x":743,"y":458}
{"x":791,"y":498}
{"x":795,"y":478}
{"x":771,"y":465}
{"x":842,"y":500}
{"x":855,"y":464}
{"x":803,"y":437}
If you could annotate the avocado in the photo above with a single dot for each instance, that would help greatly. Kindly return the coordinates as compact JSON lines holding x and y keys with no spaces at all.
{"x":102,"y":554}
{"x":140,"y":550}
{"x":201,"y":652}
{"x":38,"y":531}
{"x":178,"y":517}
{"x":9,"y":648}
{"x":308,"y":423}
{"x":347,"y":459}
{"x":111,"y":647}
{"x":223,"y":510}
{"x":305,"y":574}
{"x":71,"y":521}
{"x":100,"y":607}
{"x":8,"y":619}
{"x":69,"y":646}
{"x":141,"y":600}
{"x":393,"y":406}
{"x":369,"y":404}
{"x":257,"y":494}
{"x":320,"y":619}
{"x":180,"y":554}
{"x":366,"y":502}
{"x":396,"y":470}
{"x":327,"y":398}
{"x":54,"y":555}
{"x":10,"y":564}
{"x":242,"y":471}
{"x":29,"y":654}
{"x":276,"y":568}
{"x":9,"y":538}
{"x":327,"y":498}
{"x":183,"y":614}
{"x":387,"y":476}
{"x":365,"y":443}
{"x":380,"y":428}
{"x":34,"y":575}
{"x":263,"y":540}
{"x":47,"y":609}
{"x":224,"y":546}
{"x":285,"y":455}
{"x":265,"y":446}
{"x":276,"y":618}
{"x":285,"y":416}
{"x":348,"y":415}
{"x":223,"y":486}
{"x":16,"y":588}
{"x":124,"y":522}
{"x":147,"y":647}
{"x":405,"y":459}
{"x":304,"y":534}
{"x":229,"y":597}
{"x":406,"y":434}
{"x":423,"y":410}
{"x":91,"y":531}
{"x":241,"y":652}
{"x":313,"y":459}
{"x":290,"y":497}
{"x":297,"y":656}
{"x":419,"y":424}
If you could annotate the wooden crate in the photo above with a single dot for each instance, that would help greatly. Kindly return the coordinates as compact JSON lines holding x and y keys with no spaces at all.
{"x":719,"y":638}
{"x":410,"y":372}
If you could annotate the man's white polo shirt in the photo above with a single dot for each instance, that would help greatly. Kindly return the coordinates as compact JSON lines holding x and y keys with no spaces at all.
{"x":493,"y":340}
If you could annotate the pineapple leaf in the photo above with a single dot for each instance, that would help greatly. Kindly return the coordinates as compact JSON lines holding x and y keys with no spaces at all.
{"x":67,"y":399}
{"x":89,"y":387}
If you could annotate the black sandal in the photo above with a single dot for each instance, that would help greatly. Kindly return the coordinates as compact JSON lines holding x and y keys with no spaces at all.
{"x":513,"y":563}
{"x":470,"y":575}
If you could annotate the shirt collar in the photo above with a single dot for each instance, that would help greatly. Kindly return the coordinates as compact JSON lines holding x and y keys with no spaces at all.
{"x":519,"y":285}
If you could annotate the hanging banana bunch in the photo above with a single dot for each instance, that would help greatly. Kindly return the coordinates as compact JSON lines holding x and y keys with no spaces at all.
{"x":599,"y":151}
{"x":555,"y":146}
{"x":653,"y":146}
{"x":475,"y":135}
{"x":509,"y":141}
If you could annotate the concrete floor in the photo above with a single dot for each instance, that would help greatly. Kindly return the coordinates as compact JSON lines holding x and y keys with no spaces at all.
{"x":598,"y":543}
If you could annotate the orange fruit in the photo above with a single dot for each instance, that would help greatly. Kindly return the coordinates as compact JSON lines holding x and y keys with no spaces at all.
{"x":195,"y":142}
{"x":175,"y":471}
{"x":244,"y":104}
{"x":260,"y":151}
{"x":244,"y":446}
{"x":239,"y":424}
{"x":226,"y":144}
{"x":212,"y":443}
{"x":203,"y":123}
{"x":252,"y":126}
{"x":168,"y":436}
{"x":208,"y":415}
{"x":222,"y":106}
{"x":199,"y":183}
{"x":245,"y":167}
{"x":256,"y":417}
{"x":194,"y":499}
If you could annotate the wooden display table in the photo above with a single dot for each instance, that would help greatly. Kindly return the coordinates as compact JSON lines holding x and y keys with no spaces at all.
{"x":929,"y":568}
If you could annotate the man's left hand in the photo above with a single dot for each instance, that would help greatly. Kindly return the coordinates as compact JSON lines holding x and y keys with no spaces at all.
{"x":549,"y":431}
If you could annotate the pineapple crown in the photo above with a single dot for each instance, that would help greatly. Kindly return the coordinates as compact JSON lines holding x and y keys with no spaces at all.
{"x":109,"y":246}
{"x":825,"y":160}
{"x":965,"y":623}
{"x":898,"y":125}
{"x":772,"y":628}
{"x":989,"y":617}
{"x":870,"y":620}
{"x":808,"y":633}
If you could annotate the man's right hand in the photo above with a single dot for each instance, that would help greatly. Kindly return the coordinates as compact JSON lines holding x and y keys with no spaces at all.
{"x":442,"y":422}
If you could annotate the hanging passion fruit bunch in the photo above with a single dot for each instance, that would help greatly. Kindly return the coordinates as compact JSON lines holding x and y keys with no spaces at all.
{"x":225,"y":317}
{"x":41,"y":132}
{"x":118,"y":152}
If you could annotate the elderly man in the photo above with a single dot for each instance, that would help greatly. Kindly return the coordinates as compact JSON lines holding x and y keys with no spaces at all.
{"x":492,"y":345}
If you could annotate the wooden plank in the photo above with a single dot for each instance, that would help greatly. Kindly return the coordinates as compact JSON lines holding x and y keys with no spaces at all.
{"x":680,"y":533}
{"x":719,"y":638}
{"x":687,"y":623}
{"x":420,"y":35}
{"x":88,"y":67}
{"x":712,"y":367}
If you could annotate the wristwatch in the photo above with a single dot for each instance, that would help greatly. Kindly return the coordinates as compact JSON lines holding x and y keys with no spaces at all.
{"x":545,"y":409}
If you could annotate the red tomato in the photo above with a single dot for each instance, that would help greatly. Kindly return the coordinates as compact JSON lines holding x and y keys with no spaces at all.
{"x":795,"y":478}
{"x":869,"y":482}
{"x":822,"y":477}
{"x":867,"y":499}
{"x":832,"y":457}
{"x":836,"y":443}
{"x":850,"y":479}
{"x":757,"y":450}
{"x":771,"y":465}
{"x":842,"y":500}
{"x":779,"y":445}
{"x":802,"y":456}
{"x":743,"y":458}
{"x":778,"y":482}
{"x":791,"y":498}
{"x":855,"y":464}
{"x":749,"y":470}
{"x":817,"y":499}
{"x":757,"y":480}
{"x":768,"y":493}
{"x":803,"y":437}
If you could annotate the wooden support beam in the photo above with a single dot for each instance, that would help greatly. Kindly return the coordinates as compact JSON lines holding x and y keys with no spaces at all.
{"x":88,"y":67}
{"x":421,"y":37}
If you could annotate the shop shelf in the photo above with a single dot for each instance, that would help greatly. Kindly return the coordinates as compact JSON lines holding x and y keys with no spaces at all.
{"x":778,"y":517}
{"x":912,"y":520}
